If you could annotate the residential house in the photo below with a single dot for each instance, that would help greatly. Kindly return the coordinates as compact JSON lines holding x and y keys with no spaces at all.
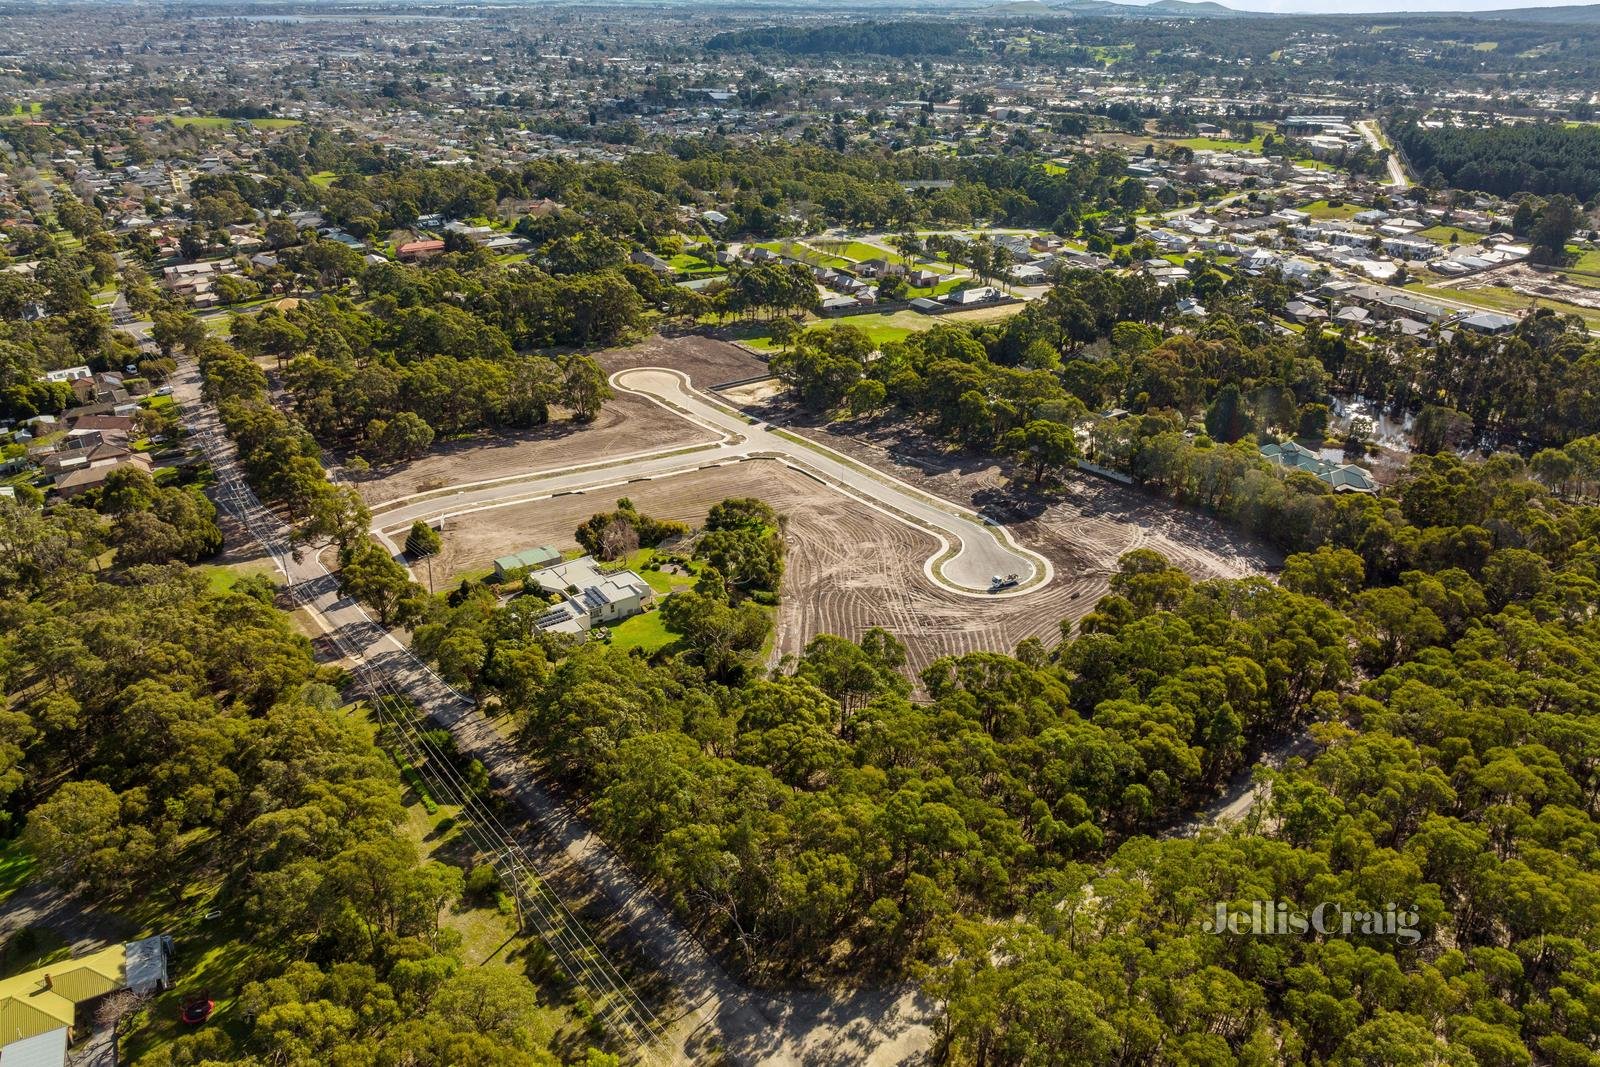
{"x":1488,"y":322}
{"x":1343,"y":477}
{"x":94,"y":474}
{"x":593,"y":597}
{"x":650,"y":259}
{"x":418,"y":250}
{"x":1302,"y":312}
{"x":45,"y":1010}
{"x":977,"y":294}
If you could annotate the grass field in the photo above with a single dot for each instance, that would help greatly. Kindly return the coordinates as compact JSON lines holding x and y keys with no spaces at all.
{"x":15,"y":867}
{"x":884,"y":327}
{"x":1501,"y":299}
{"x":1321,"y":209}
{"x":217,"y":122}
{"x":858,"y":250}
{"x":323,"y":178}
{"x":806,"y":254}
{"x":1213,"y":144}
{"x":32,"y":947}
{"x":1588,"y":262}
{"x":1445,"y":235}
{"x":879,"y":333}
{"x":948,"y":285}
{"x":17,"y":112}
{"x":692,"y":265}
{"x":645,"y":632}
{"x":221,"y":578}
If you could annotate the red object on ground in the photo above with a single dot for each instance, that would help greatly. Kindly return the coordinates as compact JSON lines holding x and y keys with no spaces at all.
{"x":198,"y":1010}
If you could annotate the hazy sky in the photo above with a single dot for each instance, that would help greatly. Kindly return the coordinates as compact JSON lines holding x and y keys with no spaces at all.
{"x":1362,"y":7}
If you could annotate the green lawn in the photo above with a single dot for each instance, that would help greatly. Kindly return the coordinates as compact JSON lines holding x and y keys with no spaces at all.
{"x":1584,"y":269}
{"x":16,"y":864}
{"x":1588,"y":262}
{"x":17,"y":112}
{"x":692,"y":265}
{"x":1321,"y":209}
{"x":795,"y":250}
{"x":32,"y":947}
{"x":661,"y":581}
{"x":883,"y":327}
{"x":1213,"y":144}
{"x":878,"y":332}
{"x":858,"y":250}
{"x":208,"y":122}
{"x":1445,"y":235}
{"x":222,"y":578}
{"x":946,"y":286}
{"x":323,"y":178}
{"x":646,"y":632}
{"x":216,"y":122}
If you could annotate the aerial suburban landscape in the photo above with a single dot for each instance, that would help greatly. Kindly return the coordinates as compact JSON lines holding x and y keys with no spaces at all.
{"x":630,"y":533}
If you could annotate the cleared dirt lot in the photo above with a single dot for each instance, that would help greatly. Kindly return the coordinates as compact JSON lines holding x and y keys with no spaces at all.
{"x":849,"y":568}
{"x":707,"y":361}
{"x":625,"y":425}
{"x":1083,"y":531}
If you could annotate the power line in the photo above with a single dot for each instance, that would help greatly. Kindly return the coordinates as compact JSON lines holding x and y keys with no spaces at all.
{"x":618,"y":1006}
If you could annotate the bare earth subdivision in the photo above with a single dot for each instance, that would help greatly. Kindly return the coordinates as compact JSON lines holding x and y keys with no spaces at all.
{"x":626,"y":424}
{"x":851,"y":565}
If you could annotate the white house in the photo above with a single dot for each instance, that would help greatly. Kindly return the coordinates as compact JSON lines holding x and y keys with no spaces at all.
{"x":593,"y":597}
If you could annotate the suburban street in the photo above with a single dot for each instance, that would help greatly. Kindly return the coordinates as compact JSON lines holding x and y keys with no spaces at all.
{"x":1397,"y":173}
{"x":971,"y":551}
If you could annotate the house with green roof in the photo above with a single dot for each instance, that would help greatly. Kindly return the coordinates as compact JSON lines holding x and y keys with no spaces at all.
{"x":1344,"y":477}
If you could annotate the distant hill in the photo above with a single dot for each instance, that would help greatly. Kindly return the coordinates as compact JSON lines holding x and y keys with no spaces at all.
{"x":1586,"y":14}
{"x":923,"y":37}
{"x":1161,"y":9}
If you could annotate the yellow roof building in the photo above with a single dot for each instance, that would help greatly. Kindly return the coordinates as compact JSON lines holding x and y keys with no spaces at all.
{"x":47,"y":998}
